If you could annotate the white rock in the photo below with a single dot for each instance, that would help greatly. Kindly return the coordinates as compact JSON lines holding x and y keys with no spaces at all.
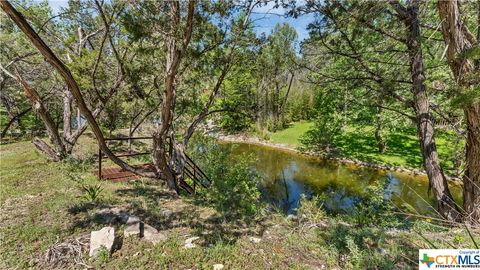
{"x":102,"y":238}
{"x":166,"y":213}
{"x":190,"y":245}
{"x":132,"y":227}
{"x":254,"y":239}
{"x":152,"y":235}
{"x":148,"y":230}
{"x":191,"y":239}
{"x":132,"y":220}
{"x":291,"y":217}
{"x":189,"y":242}
{"x":218,"y":266}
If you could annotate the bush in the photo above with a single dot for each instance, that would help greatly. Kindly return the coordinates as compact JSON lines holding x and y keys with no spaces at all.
{"x":375,"y":210}
{"x":234,"y":191}
{"x":327,"y":124}
{"x":322,"y":136}
{"x":92,"y":192}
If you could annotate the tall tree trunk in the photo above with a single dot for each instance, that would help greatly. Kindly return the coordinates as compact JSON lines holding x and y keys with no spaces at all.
{"x":164,"y":147}
{"x":471,"y":178}
{"x":37,"y":104}
{"x":382,"y":146}
{"x":67,"y":113}
{"x":446,"y":206}
{"x":458,"y":39}
{"x":160,"y":146}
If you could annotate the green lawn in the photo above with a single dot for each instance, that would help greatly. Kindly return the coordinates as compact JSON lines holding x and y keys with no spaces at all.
{"x":291,"y":135}
{"x":359,"y":143}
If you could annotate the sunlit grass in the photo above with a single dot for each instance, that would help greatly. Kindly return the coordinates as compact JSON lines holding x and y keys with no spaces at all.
{"x":359,"y":142}
{"x":292,"y":134}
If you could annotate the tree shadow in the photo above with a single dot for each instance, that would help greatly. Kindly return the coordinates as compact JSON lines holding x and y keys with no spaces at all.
{"x":363,"y":146}
{"x":164,"y":211}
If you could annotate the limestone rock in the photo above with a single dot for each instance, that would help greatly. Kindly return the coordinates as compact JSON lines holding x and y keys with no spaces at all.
{"x":167,"y":213}
{"x":218,"y":266}
{"x":190,"y":245}
{"x":148,"y":230}
{"x":292,"y":217}
{"x":189,"y":242}
{"x":151,"y":234}
{"x":254,"y":239}
{"x":132,"y":228}
{"x":132,"y":220}
{"x":102,"y":238}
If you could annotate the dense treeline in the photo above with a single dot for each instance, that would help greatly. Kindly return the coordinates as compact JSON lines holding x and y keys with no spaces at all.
{"x":113,"y":65}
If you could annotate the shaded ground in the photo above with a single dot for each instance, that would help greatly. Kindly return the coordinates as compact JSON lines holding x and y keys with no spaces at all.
{"x":41,"y":204}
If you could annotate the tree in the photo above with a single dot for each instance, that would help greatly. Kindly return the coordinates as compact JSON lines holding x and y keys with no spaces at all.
{"x":276,"y":65}
{"x":63,"y":142}
{"x":168,"y":155}
{"x":462,"y":54}
{"x":352,"y":28}
{"x":425,"y":128}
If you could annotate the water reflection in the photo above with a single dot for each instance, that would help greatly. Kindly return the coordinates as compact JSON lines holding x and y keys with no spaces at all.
{"x":287,"y":175}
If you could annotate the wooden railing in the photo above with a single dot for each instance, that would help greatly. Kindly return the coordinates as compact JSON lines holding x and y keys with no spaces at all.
{"x":191,"y":170}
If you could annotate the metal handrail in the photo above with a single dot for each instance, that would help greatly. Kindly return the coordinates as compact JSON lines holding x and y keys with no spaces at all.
{"x":195,"y":166}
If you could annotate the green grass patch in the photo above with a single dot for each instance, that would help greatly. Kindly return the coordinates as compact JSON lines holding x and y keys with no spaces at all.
{"x":358,"y":142}
{"x":292,"y":134}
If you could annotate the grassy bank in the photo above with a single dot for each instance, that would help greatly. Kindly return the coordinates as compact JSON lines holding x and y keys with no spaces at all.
{"x":359,"y":143}
{"x":42,"y":205}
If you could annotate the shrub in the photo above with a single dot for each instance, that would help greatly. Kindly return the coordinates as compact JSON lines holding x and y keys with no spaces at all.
{"x":234,"y":192}
{"x":92,"y":192}
{"x":322,"y":136}
{"x":374,"y":209}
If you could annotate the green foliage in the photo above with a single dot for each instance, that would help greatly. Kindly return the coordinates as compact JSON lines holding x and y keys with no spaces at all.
{"x":103,"y":256}
{"x":472,"y":53}
{"x":234,"y":192}
{"x":278,"y":94}
{"x":92,"y":192}
{"x":469,"y":95}
{"x":310,"y":210}
{"x":327,"y":125}
{"x":374,"y":209}
{"x":362,"y":248}
{"x":239,"y":95}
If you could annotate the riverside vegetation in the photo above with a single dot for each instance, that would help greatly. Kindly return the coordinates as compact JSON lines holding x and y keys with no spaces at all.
{"x":44,"y":204}
{"x":388,"y":82}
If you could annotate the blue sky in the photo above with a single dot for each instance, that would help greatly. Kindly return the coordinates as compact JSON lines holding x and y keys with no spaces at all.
{"x":265,"y":18}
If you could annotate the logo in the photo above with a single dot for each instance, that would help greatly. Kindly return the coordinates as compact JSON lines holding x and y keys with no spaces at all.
{"x":449,"y":259}
{"x":427,"y":260}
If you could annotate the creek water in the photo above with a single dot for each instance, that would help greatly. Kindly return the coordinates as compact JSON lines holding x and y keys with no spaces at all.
{"x":287,"y":175}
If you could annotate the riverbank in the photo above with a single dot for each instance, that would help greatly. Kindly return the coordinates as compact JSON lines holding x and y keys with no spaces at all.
{"x":243,"y":138}
{"x":46,"y":220}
